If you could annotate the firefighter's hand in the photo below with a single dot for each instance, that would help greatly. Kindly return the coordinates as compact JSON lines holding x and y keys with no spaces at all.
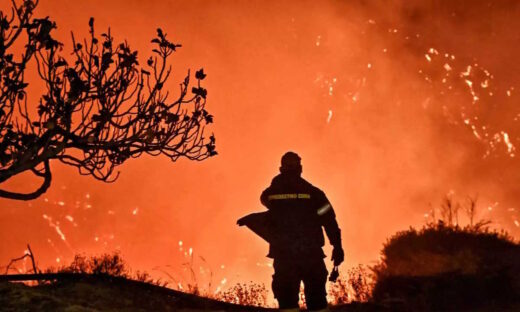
{"x":338,"y":256}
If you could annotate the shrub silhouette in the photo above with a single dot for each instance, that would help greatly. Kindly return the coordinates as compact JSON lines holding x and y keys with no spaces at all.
{"x":106,"y":264}
{"x":446,"y":266}
{"x":354,"y":286}
{"x":112,"y":264}
{"x":338,"y":292}
{"x":248,"y":294}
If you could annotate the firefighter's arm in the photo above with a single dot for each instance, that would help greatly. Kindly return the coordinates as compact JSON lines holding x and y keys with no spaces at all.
{"x":264,"y":198}
{"x":328,"y":220}
{"x":334,"y":234}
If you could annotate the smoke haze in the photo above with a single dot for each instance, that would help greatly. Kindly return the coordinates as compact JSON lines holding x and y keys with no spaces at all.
{"x":376,"y":97}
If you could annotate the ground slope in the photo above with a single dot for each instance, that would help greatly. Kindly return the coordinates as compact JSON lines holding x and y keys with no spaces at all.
{"x":115,"y":294}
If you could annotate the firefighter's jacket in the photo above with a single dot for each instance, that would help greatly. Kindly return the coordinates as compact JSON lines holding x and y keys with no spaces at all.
{"x":298,"y":211}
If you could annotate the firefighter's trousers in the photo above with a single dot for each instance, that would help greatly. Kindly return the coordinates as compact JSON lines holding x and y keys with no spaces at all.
{"x":290,"y":272}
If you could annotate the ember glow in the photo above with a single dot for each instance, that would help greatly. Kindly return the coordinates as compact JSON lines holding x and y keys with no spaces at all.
{"x":390,"y":108}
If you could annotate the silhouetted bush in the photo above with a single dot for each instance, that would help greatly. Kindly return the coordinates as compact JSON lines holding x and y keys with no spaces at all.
{"x":445,"y":266}
{"x":248,"y":294}
{"x":107,"y":264}
{"x":355,"y":285}
{"x":338,"y":292}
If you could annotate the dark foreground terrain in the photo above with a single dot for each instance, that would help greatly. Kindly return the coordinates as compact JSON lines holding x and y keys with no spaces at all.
{"x":99,"y":293}
{"x":117,"y":294}
{"x":436,"y":268}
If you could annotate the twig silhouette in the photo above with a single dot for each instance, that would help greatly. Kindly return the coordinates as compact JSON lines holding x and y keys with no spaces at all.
{"x":28,"y":254}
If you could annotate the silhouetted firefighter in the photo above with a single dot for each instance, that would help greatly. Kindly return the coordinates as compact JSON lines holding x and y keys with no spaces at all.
{"x":297,"y":211}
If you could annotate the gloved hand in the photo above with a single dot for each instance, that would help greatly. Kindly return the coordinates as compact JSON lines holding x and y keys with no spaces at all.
{"x":338,"y":256}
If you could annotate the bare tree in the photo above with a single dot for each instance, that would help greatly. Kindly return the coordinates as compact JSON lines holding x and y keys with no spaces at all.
{"x":99,"y":107}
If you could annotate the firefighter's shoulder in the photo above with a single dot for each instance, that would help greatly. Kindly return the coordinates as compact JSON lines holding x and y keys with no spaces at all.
{"x":316,"y":191}
{"x":277,"y":179}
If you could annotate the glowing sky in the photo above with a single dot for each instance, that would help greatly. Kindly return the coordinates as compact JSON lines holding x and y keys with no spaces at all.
{"x":376,"y":98}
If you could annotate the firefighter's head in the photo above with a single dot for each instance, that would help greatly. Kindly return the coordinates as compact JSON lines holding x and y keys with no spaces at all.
{"x":291,"y":164}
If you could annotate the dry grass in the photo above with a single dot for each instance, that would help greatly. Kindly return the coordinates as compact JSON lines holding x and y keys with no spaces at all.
{"x":247,"y":294}
{"x":354,"y":286}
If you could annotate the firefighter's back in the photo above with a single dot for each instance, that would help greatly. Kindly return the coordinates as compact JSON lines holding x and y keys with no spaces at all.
{"x":292,"y":202}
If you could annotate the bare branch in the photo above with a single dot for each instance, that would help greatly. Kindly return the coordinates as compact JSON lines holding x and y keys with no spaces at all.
{"x":27,"y":254}
{"x":100,"y":106}
{"x":42,"y":189}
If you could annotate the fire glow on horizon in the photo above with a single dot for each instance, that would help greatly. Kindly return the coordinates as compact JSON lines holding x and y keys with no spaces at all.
{"x":388,"y":114}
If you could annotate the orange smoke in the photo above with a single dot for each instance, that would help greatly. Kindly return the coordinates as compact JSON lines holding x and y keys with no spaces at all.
{"x":353,"y":87}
